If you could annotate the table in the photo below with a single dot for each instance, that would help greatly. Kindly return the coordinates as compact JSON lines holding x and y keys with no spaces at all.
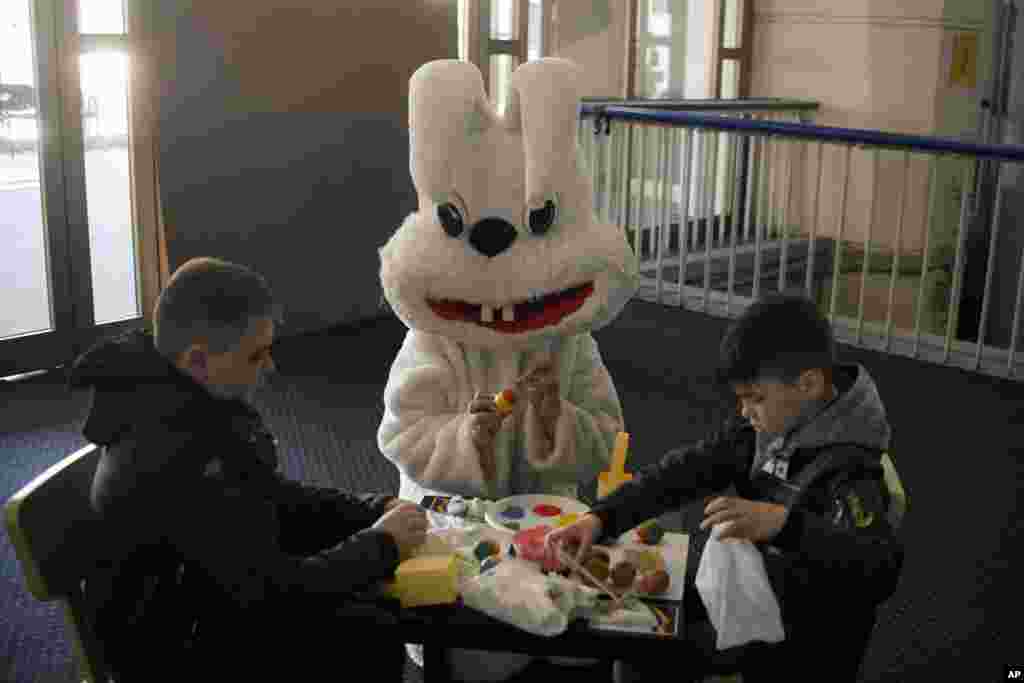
{"x":456,"y":626}
{"x":442,"y":628}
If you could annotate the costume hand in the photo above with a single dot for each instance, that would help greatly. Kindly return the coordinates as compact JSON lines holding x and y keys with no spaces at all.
{"x":747,"y":519}
{"x":407,"y":524}
{"x":542,"y":389}
{"x":582,"y":533}
{"x":484,"y":424}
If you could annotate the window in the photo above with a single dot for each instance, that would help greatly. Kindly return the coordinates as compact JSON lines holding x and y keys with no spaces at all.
{"x":78,"y":203}
{"x":498,"y":36}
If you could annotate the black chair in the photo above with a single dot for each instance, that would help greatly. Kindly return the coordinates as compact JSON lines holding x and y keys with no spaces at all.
{"x":55,"y":535}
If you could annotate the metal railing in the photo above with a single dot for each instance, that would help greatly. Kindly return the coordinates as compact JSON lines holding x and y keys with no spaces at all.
{"x":880,"y":229}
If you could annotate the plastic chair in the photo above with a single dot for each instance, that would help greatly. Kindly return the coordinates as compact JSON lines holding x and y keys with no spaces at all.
{"x":54,"y":532}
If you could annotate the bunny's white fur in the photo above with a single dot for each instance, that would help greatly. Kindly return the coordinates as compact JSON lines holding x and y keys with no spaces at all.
{"x":492,"y":171}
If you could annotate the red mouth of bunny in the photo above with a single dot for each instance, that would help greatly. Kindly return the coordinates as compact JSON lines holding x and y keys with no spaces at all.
{"x":528,"y":315}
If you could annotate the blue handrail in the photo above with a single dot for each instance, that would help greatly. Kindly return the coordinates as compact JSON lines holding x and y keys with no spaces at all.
{"x":854,"y":136}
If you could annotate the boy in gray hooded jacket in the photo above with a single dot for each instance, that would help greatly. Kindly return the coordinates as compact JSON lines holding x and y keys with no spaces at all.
{"x":815,"y":492}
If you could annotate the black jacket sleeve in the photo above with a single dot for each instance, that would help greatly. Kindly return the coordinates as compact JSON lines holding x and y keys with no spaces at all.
{"x":314,"y":518}
{"x":231,"y":537}
{"x":681,"y":476}
{"x":853,"y":544}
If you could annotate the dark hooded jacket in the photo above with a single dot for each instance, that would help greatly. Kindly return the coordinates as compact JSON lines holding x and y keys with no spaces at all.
{"x":206,"y":529}
{"x":838,"y":549}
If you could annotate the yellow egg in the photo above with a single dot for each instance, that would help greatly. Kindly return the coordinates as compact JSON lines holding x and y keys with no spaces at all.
{"x":567,"y":519}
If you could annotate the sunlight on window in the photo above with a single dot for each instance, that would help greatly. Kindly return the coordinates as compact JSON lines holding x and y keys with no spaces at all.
{"x":535,"y":35}
{"x":731,"y":28}
{"x":730,"y":79}
{"x":502,"y":15}
{"x":104,"y":91}
{"x":101,"y":16}
{"x":108,"y":185}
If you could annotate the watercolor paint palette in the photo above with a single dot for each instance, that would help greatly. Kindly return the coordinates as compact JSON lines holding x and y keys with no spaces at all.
{"x":518,"y":513}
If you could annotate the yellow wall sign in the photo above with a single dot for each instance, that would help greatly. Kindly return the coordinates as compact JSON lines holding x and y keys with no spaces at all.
{"x":964,"y":65}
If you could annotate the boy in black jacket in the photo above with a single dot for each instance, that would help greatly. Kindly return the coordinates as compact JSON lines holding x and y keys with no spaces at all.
{"x":812,"y":494}
{"x":223,"y":568}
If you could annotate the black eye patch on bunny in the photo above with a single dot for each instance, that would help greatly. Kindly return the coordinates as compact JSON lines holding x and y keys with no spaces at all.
{"x":451,"y":219}
{"x":540,"y":220}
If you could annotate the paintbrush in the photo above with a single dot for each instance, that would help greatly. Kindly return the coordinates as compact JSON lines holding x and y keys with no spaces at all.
{"x":567,"y":559}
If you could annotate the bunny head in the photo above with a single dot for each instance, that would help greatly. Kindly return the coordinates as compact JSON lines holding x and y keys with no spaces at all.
{"x":505,"y":250}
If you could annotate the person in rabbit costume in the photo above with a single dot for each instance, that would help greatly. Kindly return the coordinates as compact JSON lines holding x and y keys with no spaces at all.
{"x":502,"y":273}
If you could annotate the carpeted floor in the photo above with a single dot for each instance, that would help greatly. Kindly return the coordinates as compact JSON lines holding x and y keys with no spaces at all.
{"x":959,"y":447}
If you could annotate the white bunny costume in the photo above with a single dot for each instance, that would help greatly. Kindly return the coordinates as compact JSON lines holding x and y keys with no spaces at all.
{"x":503,"y":263}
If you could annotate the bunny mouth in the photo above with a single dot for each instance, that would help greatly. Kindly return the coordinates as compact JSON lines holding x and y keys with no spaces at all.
{"x":524,"y":316}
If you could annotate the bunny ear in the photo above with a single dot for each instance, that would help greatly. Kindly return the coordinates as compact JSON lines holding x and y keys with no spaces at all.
{"x":544,"y":102}
{"x":447,"y":107}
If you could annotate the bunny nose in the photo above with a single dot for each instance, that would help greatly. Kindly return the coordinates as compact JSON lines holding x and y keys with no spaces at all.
{"x":491,"y":236}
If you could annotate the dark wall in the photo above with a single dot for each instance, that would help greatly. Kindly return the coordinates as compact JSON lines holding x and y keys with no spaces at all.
{"x":283,"y":139}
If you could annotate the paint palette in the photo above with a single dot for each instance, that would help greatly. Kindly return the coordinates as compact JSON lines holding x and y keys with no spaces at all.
{"x":518,"y":513}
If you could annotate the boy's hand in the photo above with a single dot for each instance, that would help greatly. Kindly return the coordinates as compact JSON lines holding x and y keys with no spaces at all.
{"x":746,"y":519}
{"x":581,"y":533}
{"x":407,"y":524}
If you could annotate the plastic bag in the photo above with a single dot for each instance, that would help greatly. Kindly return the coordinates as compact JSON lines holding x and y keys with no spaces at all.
{"x":734,"y":586}
{"x":517,"y":593}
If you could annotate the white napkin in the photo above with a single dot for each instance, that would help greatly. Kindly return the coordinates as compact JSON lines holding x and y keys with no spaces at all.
{"x":734,"y":586}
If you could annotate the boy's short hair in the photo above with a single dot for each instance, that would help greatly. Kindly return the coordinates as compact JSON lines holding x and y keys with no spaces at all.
{"x":210,"y":300}
{"x":777,"y":338}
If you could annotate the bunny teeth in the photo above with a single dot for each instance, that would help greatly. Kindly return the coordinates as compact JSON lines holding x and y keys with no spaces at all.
{"x":486,"y":314}
{"x":508,"y":314}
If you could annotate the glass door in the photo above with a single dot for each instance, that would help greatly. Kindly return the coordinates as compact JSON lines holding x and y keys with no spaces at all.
{"x":34,"y":278}
{"x":70,"y":272}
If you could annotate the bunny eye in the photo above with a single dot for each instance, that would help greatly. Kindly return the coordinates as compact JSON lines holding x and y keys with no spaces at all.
{"x":451,"y":219}
{"x":541,"y":220}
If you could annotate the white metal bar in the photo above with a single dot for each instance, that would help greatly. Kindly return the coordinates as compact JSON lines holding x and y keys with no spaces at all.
{"x":642,"y":202}
{"x":996,"y":220}
{"x":838,"y":252}
{"x":731,"y":181}
{"x":684,"y":219}
{"x":592,"y":152}
{"x":754,"y":184}
{"x":670,"y":164}
{"x":763,"y":174}
{"x":932,"y":183}
{"x":814,"y":220}
{"x":867,"y":249}
{"x":664,"y":196}
{"x":709,"y":203}
{"x":769,"y":180}
{"x":1016,"y":319}
{"x":784,"y":256}
{"x":904,"y":193}
{"x":954,"y":298}
{"x":625,"y":176}
{"x":716,"y":137}
{"x":735,"y":224}
{"x":606,"y":195}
